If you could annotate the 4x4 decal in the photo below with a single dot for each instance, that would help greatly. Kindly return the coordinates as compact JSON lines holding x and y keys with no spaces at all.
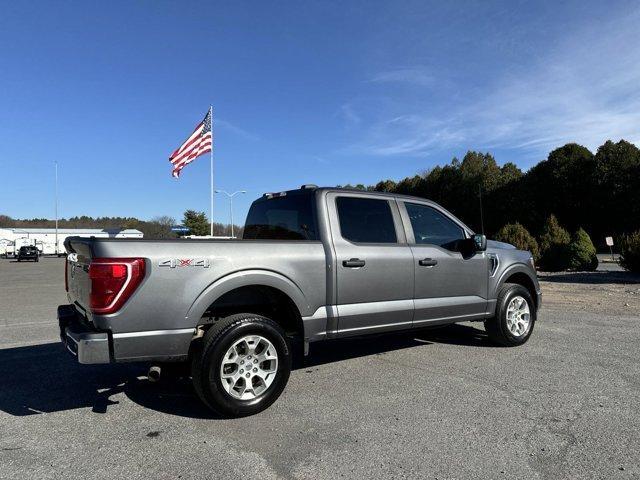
{"x":184,"y":262}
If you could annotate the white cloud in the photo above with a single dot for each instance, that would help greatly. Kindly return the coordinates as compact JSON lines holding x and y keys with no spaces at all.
{"x":348,"y":113}
{"x":586,"y":91}
{"x":416,"y":75}
{"x":217,"y":122}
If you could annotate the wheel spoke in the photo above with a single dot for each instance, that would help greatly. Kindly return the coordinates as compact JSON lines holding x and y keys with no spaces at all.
{"x":270,"y":370}
{"x":232,"y":374}
{"x":251,"y":344}
{"x":267,"y":355}
{"x":241,"y":388}
{"x":259,"y":347}
{"x":260,"y":380}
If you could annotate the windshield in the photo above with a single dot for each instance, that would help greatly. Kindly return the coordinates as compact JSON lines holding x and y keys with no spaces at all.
{"x":288,"y":217}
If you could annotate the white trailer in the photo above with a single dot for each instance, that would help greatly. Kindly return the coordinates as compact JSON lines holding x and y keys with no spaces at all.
{"x":45,"y":238}
{"x":6,"y":247}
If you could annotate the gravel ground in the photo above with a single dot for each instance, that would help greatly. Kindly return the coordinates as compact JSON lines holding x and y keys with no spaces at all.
{"x":608,"y":291}
{"x":434,"y":404}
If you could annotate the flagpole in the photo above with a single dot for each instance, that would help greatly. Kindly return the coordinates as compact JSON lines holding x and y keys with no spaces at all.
{"x":211,"y":158}
{"x":56,"y":207}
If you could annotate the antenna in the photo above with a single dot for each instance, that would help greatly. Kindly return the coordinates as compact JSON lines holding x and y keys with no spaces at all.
{"x":481,"y":214}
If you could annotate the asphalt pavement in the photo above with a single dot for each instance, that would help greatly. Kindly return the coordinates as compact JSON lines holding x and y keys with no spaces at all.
{"x":439,"y":404}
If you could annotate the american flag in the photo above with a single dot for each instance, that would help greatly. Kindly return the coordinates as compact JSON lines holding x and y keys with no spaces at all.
{"x":198,"y":143}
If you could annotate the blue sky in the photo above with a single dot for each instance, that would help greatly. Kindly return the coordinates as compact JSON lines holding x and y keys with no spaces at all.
{"x":303,"y":92}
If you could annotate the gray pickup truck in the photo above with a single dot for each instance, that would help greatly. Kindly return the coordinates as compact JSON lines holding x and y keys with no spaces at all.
{"x":313,"y":264}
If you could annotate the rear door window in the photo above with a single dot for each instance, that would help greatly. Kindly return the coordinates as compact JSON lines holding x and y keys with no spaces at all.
{"x":366,"y":220}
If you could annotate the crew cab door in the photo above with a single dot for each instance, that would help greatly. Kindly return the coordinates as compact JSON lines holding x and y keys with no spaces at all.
{"x":450,"y":285}
{"x":374,"y":266}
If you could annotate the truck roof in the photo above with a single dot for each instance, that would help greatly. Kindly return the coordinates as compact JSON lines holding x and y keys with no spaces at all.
{"x":309,"y":188}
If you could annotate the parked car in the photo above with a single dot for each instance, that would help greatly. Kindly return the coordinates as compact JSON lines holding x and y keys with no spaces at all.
{"x":313,"y":264}
{"x":28,"y":253}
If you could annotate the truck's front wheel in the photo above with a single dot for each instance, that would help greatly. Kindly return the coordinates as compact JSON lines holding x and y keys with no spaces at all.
{"x":242,"y":365}
{"x":515,"y":316}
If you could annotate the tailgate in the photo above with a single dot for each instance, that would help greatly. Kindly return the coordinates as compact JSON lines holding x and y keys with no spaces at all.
{"x":77,"y":270}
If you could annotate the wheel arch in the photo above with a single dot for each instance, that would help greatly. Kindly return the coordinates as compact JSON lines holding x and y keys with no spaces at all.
{"x":253,"y":291}
{"x":521,"y":275}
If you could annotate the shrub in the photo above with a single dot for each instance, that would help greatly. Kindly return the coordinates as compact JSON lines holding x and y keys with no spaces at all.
{"x":581,"y":252}
{"x":554,"y":243}
{"x":630,"y":252}
{"x":517,"y":235}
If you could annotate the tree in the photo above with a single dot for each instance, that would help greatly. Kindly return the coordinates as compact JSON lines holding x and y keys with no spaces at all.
{"x":630,"y":252}
{"x":359,"y":186}
{"x":132,"y":223}
{"x":553,"y":246}
{"x":517,"y":235}
{"x":559,"y":185}
{"x":196,"y":222}
{"x":159,"y":227}
{"x":509,"y":172}
{"x":582,"y":253}
{"x":616,"y":202}
{"x":385,"y":186}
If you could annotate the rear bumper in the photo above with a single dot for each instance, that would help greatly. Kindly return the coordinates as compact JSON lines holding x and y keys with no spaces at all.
{"x":91,"y":345}
{"x":88,"y":345}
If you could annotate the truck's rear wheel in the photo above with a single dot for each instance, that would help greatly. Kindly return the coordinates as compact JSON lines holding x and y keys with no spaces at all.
{"x":515,"y":316}
{"x":242,"y":366}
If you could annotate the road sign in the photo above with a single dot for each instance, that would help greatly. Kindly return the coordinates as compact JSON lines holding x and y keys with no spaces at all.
{"x":180,"y":228}
{"x":609,"y":241}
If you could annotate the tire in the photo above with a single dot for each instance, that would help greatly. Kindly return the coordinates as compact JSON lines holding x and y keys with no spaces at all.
{"x":501,"y":329}
{"x":223,"y":341}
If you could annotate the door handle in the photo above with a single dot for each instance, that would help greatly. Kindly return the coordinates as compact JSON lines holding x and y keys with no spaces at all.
{"x":428,"y":262}
{"x":353,"y":263}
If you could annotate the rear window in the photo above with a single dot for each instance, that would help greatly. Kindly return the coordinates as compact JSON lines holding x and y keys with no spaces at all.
{"x":290,"y":217}
{"x":366,"y":220}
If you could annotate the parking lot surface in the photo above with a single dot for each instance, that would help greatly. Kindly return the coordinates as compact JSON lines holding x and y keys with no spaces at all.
{"x":433,"y":404}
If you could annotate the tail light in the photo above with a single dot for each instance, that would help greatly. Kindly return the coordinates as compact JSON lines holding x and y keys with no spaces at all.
{"x":66,"y":275}
{"x":113,"y":280}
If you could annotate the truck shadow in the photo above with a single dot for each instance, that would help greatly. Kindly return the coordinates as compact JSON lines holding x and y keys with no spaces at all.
{"x":41,"y":379}
{"x":345,"y":349}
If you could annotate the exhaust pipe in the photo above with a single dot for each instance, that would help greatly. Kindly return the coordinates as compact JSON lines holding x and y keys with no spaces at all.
{"x":154,"y":374}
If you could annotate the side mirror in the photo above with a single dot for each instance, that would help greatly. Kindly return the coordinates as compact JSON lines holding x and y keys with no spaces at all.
{"x":480,"y":242}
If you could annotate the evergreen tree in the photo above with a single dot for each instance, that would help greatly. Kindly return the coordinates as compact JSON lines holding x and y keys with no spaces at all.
{"x":630,"y":252}
{"x":196,"y":222}
{"x":581,"y":252}
{"x":554,"y":242}
{"x":518,"y":236}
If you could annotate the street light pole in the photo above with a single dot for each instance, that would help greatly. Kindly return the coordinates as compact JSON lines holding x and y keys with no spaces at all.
{"x":231,"y":195}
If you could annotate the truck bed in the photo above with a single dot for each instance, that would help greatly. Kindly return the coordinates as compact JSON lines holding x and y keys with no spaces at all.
{"x":183,"y":277}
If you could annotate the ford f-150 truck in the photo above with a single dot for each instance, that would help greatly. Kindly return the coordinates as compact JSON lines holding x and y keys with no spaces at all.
{"x":313,"y":264}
